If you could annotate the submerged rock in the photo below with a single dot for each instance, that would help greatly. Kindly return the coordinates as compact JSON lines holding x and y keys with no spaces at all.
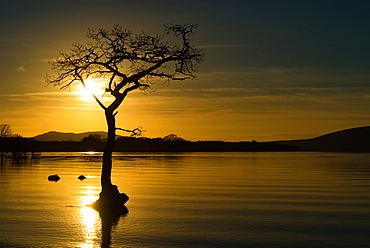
{"x":54,"y":178}
{"x":82,"y":177}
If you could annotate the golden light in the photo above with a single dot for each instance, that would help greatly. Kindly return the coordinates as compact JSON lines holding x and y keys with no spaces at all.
{"x":90,"y":195}
{"x":90,"y":153}
{"x":94,"y":86}
{"x":90,"y":218}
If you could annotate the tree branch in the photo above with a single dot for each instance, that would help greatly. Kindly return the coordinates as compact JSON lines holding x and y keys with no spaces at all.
{"x":127,"y":61}
{"x":99,"y":102}
{"x":135,"y":132}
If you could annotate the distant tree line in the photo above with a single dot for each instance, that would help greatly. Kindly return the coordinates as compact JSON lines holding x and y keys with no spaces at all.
{"x":169,"y":143}
{"x":20,"y":146}
{"x":14,"y":145}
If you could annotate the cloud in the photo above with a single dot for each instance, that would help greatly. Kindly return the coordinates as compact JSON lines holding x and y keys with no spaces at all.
{"x":14,"y":39}
{"x":227,"y":45}
{"x":20,"y":69}
{"x":263,"y":94}
{"x":32,"y":97}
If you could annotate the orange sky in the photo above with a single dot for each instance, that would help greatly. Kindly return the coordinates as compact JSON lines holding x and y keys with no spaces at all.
{"x":271,"y":72}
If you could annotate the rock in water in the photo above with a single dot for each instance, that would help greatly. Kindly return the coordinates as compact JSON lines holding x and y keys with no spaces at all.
{"x":82,"y":177}
{"x":54,"y":178}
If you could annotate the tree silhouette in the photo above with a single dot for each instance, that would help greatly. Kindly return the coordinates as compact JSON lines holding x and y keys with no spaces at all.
{"x":172,"y":137}
{"x":127,"y":62}
{"x":5,"y":131}
{"x":92,"y":138}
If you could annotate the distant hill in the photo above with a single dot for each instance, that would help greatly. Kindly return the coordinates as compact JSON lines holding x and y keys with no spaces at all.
{"x":60,"y":136}
{"x":349,"y":140}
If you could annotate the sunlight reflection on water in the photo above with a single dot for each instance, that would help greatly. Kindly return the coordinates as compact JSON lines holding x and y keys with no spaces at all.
{"x":90,"y":194}
{"x":90,"y":217}
{"x":90,"y":220}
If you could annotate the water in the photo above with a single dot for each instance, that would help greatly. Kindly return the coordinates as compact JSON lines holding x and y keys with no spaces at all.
{"x":296,"y":199}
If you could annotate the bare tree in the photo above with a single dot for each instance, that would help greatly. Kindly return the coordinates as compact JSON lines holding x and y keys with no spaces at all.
{"x":127,"y":62}
{"x":5,"y":131}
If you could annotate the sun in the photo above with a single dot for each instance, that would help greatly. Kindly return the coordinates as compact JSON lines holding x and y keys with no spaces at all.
{"x":94,"y":86}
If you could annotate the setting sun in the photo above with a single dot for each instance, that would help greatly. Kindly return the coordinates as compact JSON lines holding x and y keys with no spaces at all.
{"x":93,"y":86}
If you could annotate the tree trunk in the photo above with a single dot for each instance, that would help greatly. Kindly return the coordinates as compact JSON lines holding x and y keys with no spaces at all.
{"x":106,"y":173}
{"x":110,"y":197}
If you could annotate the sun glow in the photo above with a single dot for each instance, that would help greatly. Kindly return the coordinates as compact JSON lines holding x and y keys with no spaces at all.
{"x":94,"y":86}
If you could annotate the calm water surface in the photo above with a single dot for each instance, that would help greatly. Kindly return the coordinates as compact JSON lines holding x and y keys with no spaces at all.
{"x":297,"y":199}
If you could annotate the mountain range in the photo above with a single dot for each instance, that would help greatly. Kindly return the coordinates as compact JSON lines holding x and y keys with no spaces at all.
{"x":348,"y":140}
{"x":60,"y":136}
